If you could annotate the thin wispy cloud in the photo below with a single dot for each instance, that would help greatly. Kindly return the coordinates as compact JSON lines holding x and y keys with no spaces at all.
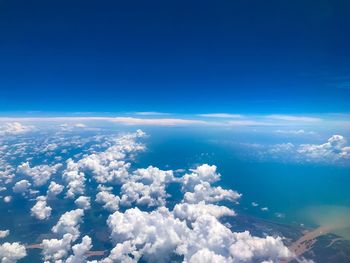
{"x":221,"y":115}
{"x":156,"y":121}
{"x":151,"y":113}
{"x":293,"y":118}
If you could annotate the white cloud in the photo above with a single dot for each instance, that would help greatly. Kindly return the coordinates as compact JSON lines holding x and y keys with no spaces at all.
{"x":110,"y":201}
{"x":160,"y":235}
{"x":248,"y":123}
{"x":12,"y":252}
{"x":80,"y":125}
{"x":150,"y":113}
{"x":157,"y":121}
{"x":40,"y":174}
{"x":4,"y":233}
{"x":250,"y":249}
{"x":293,"y":118}
{"x":54,"y":189}
{"x":191,"y":212}
{"x":41,"y":210}
{"x":7,"y":199}
{"x":221,"y":115}
{"x":80,"y":251}
{"x":334,"y":149}
{"x":146,"y":187}
{"x":74,"y":178}
{"x":56,"y":249}
{"x":69,"y":223}
{"x":206,"y":256}
{"x":83,"y":202}
{"x":13,"y":128}
{"x":109,"y":165}
{"x":296,"y":132}
{"x":21,"y":186}
{"x":205,"y":192}
{"x":203,"y":173}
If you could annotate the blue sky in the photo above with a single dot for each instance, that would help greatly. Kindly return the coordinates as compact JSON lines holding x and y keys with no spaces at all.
{"x":247,"y":57}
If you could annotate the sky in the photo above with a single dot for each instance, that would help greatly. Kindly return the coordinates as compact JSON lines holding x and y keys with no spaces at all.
{"x":244,"y":57}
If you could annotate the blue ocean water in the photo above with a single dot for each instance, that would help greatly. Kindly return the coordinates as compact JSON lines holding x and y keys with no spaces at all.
{"x":286,"y":188}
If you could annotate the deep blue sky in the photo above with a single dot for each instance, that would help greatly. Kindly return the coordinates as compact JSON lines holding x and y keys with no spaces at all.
{"x":175,"y":56}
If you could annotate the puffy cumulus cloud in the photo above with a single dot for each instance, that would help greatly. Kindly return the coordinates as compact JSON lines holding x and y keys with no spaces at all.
{"x":13,"y":128}
{"x":12,"y":252}
{"x":141,"y":234}
{"x":203,"y":173}
{"x":205,"y":192}
{"x":83,"y":202}
{"x":334,"y":149}
{"x":7,"y":199}
{"x":208,"y":233}
{"x":69,"y":223}
{"x":147,"y":187}
{"x":41,"y":210}
{"x":159,"y":235}
{"x":4,"y":233}
{"x":21,"y":186}
{"x":249,"y":249}
{"x":54,"y":189}
{"x":80,"y":251}
{"x":54,"y":250}
{"x":109,"y":165}
{"x":207,"y":256}
{"x":191,"y":212}
{"x":75,"y":179}
{"x":110,"y":201}
{"x":40,"y":174}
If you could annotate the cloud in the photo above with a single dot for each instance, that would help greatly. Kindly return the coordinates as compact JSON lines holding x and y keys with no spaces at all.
{"x":205,"y":192}
{"x":221,"y":115}
{"x":146,"y":187}
{"x":191,"y":212}
{"x":80,"y":251}
{"x":334,"y":149}
{"x":249,"y":123}
{"x":296,"y":132}
{"x":4,"y":233}
{"x":74,"y":178}
{"x":83,"y":202}
{"x":293,"y":118}
{"x":69,"y":223}
{"x":21,"y":186}
{"x":54,"y":189}
{"x":156,"y":121}
{"x":40,"y":210}
{"x":150,"y":113}
{"x":7,"y":199}
{"x":159,"y":234}
{"x":203,"y":173}
{"x":249,"y":249}
{"x":12,"y":252}
{"x":110,"y":201}
{"x":14,"y":128}
{"x":109,"y":165}
{"x":56,"y":249}
{"x":40,"y":174}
